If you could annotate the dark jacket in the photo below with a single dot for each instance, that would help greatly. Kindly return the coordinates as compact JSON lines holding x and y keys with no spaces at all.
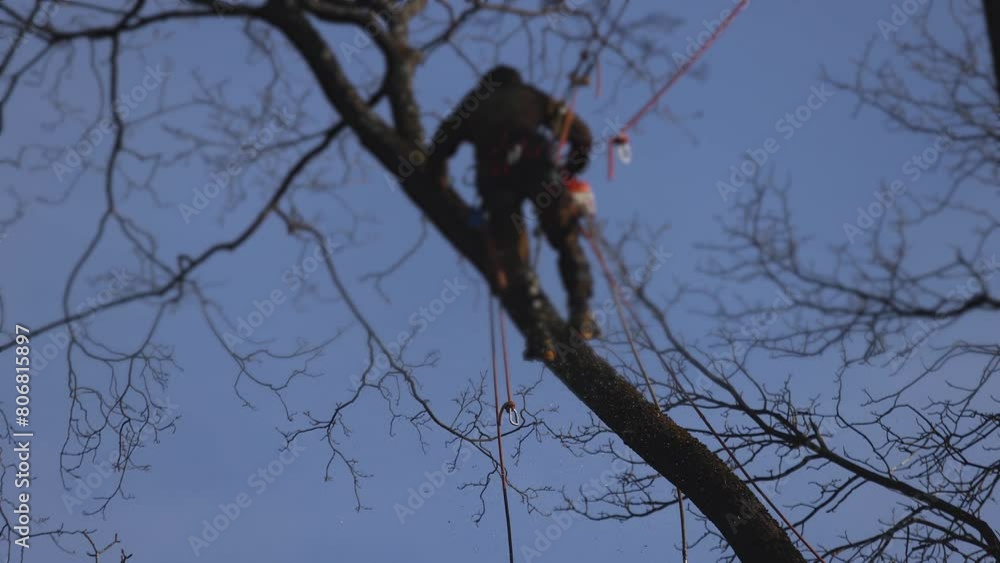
{"x":493,"y":118}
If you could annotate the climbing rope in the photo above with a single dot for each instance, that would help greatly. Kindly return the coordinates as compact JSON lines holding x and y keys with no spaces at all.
{"x":622,"y":140}
{"x":588,"y":232}
{"x":592,"y":235}
{"x":589,"y":62}
{"x":509,"y":407}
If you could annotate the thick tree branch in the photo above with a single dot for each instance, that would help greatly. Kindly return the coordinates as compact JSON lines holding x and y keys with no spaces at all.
{"x":373,"y":132}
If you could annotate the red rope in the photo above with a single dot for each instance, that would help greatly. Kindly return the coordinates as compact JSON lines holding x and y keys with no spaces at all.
{"x":686,"y":66}
{"x":616,"y":294}
{"x":613,"y":283}
{"x":623,"y":136}
{"x":500,"y":411}
{"x":509,"y":406}
{"x":501,"y":282}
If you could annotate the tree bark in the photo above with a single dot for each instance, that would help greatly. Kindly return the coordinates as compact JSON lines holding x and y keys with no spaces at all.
{"x":712,"y":486}
{"x":991,"y":9}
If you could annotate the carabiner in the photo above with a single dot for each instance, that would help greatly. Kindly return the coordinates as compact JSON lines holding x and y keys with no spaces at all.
{"x":625,"y":153}
{"x":513,"y":416}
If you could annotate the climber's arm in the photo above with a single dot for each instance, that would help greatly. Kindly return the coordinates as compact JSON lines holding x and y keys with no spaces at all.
{"x":580,"y":143}
{"x":454,"y":130}
{"x":578,"y":135}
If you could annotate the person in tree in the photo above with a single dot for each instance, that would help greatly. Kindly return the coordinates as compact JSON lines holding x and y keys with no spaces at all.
{"x":516,"y":129}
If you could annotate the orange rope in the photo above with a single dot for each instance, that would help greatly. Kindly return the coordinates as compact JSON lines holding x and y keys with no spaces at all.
{"x":589,"y":233}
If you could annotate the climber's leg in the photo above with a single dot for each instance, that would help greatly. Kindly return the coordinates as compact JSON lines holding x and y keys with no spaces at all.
{"x":509,"y":252}
{"x":561,"y":224}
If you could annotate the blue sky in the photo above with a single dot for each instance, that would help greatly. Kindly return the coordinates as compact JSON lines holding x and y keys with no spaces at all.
{"x":766,"y":66}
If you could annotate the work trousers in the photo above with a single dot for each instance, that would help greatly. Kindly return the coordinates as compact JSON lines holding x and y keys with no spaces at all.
{"x":504,"y":186}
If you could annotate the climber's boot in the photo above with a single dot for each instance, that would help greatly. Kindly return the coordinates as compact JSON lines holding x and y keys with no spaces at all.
{"x":582,"y":321}
{"x":539,"y":348}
